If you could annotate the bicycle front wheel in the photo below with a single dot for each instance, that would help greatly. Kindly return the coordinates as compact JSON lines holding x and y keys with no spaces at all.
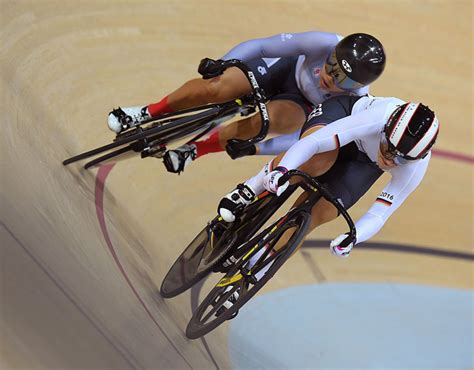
{"x":246,"y":280}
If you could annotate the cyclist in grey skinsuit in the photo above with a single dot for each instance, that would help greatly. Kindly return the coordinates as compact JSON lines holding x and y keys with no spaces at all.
{"x":312,"y":50}
{"x":293,"y":71}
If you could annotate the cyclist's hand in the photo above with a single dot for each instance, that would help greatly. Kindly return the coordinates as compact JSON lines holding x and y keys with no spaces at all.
{"x":210,"y":68}
{"x":342,"y":245}
{"x":270,"y":181}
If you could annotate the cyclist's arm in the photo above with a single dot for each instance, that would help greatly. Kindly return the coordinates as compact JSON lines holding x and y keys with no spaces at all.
{"x":404,"y":181}
{"x":333,"y":136}
{"x":284,"y":45}
{"x":278,"y":144}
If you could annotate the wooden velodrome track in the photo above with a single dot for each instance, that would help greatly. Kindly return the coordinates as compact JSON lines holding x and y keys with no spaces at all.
{"x":71,"y":298}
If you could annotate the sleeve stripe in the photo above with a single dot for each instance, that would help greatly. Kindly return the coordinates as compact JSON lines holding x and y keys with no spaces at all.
{"x":338,"y":143}
{"x":384,"y":201}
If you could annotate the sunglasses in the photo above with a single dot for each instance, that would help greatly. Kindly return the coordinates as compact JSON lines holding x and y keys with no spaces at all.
{"x":338,"y":75}
{"x":392,"y":154}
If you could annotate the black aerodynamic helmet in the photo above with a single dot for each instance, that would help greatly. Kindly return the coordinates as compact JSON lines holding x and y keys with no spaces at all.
{"x":357,"y":60}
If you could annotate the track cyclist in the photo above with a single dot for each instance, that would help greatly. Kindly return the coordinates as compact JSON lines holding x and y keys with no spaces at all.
{"x":297,"y":71}
{"x":347,"y":143}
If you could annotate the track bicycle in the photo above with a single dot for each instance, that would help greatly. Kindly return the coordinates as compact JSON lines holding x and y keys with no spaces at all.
{"x":228,"y":248}
{"x":152,"y":136}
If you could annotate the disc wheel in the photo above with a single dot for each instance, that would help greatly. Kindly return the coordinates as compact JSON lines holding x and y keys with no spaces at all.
{"x":207,"y":249}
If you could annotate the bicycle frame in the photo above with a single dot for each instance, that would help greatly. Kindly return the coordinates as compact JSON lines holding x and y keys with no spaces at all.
{"x":152,"y":140}
{"x":315,"y":191}
{"x":242,"y":277}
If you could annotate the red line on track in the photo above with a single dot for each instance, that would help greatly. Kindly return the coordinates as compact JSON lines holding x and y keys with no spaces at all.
{"x":99,"y":205}
{"x":459,"y":157}
{"x":101,"y":176}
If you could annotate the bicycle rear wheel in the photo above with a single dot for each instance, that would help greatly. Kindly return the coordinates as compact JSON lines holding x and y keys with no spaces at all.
{"x":209,"y":248}
{"x":242,"y":278}
{"x":196,"y":260}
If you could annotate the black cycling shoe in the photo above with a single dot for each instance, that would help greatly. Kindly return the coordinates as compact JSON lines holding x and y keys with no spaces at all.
{"x":236,"y":150}
{"x":175,"y":160}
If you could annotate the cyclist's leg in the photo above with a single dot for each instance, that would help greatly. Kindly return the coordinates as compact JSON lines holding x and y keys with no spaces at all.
{"x":288,"y":133}
{"x":230,"y":85}
{"x":288,"y":112}
{"x":285,"y":116}
{"x":276,"y":77}
{"x":271,"y":75}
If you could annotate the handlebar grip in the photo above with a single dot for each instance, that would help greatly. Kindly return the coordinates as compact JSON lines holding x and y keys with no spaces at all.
{"x":286,"y":176}
{"x":347,"y":241}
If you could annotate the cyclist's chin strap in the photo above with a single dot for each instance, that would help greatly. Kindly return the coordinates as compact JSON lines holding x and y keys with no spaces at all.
{"x":210,"y":68}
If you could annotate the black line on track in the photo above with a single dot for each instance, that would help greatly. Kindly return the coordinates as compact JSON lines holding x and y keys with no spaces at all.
{"x":313,"y":266}
{"x":75,"y":304}
{"x":397,"y":248}
{"x":195,"y":290}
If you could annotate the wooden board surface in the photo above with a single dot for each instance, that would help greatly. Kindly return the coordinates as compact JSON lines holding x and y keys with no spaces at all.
{"x":65,"y":64}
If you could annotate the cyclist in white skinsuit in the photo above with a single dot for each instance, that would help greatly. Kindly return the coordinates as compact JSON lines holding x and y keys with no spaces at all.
{"x":378,"y":134}
{"x":296,"y":71}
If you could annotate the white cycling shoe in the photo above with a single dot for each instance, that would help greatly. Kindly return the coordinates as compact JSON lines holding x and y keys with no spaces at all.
{"x":121,"y":119}
{"x":228,"y":303}
{"x":234,"y":202}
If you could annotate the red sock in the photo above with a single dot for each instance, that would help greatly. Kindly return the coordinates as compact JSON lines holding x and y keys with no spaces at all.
{"x":210,"y":145}
{"x":161,"y":107}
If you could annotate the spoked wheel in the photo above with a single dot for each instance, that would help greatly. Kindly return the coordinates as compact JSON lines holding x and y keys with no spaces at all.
{"x":243,"y":281}
{"x":208,"y":249}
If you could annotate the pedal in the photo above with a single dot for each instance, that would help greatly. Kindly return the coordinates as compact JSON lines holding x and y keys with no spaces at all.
{"x":235,"y":148}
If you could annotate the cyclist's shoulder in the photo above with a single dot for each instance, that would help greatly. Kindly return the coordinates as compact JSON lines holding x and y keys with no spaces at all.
{"x":378,"y":105}
{"x":313,"y":38}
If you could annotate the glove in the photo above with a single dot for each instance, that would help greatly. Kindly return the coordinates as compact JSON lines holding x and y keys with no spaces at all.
{"x":270,"y":181}
{"x":342,"y":245}
{"x":210,"y":68}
